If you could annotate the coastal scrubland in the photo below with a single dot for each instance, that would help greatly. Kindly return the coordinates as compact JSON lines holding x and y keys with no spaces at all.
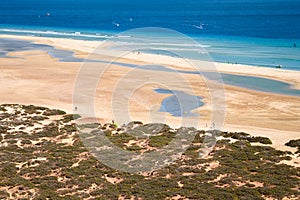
{"x":43,"y":157}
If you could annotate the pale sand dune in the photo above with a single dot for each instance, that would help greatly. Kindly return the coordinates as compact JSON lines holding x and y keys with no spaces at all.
{"x":36,"y":78}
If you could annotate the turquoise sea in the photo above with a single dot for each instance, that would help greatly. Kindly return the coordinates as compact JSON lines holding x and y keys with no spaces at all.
{"x":254,"y":32}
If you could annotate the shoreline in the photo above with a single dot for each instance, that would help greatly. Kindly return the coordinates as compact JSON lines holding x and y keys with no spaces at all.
{"x":50,"y":83}
{"x":82,"y":48}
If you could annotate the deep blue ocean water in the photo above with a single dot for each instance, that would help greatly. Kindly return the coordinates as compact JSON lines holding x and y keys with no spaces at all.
{"x":255,"y":32}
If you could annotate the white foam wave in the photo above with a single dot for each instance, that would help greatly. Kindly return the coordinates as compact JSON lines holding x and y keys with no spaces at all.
{"x":162,"y":45}
{"x":58,"y":33}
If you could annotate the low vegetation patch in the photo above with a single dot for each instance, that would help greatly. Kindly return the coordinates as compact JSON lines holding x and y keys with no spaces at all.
{"x":295,"y":144}
{"x":51,"y":162}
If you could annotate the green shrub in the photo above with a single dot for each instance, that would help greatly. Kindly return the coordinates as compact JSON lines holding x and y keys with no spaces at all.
{"x":30,"y":109}
{"x":134,"y":148}
{"x":293,"y":143}
{"x":262,"y":140}
{"x":49,"y":112}
{"x":159,"y":141}
{"x":68,"y":118}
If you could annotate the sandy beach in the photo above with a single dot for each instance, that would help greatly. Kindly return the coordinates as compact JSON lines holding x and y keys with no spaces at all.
{"x":34,"y":77}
